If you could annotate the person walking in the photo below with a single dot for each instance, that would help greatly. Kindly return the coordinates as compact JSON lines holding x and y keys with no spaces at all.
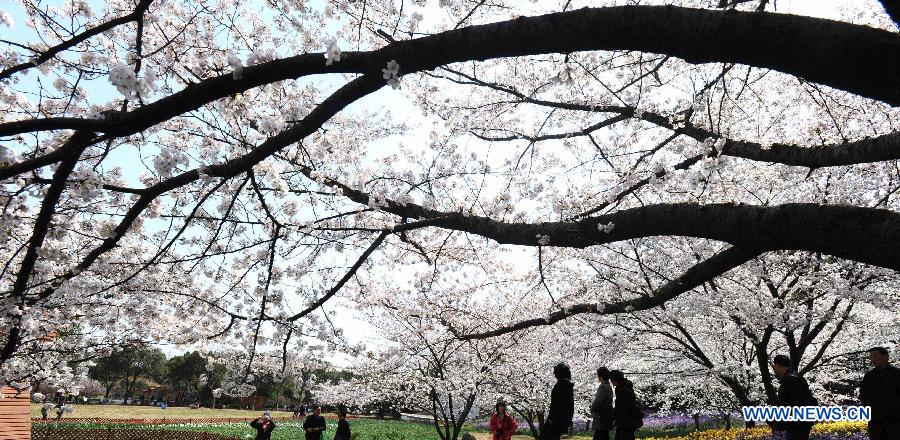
{"x":562,"y":405}
{"x":880,"y":390}
{"x":45,"y":408}
{"x":314,"y":425}
{"x":343,"y":428}
{"x":602,"y":413}
{"x":628,"y":414}
{"x":502,"y":424}
{"x":263,"y":426}
{"x":60,"y":403}
{"x":793,"y":390}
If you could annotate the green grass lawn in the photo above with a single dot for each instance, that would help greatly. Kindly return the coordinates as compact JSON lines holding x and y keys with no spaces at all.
{"x":363,"y":429}
{"x":367,"y":429}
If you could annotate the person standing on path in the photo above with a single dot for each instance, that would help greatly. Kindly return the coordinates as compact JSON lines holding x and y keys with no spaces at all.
{"x":343,"y":428}
{"x":263,"y":426}
{"x":792,"y":391}
{"x":602,"y":406}
{"x":880,"y":390}
{"x":629,"y":416}
{"x":60,"y":403}
{"x":562,"y":405}
{"x":314,"y":425}
{"x":502,"y":424}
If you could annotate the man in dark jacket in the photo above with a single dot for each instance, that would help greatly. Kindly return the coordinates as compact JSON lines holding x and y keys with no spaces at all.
{"x":562,"y":405}
{"x":629,"y":416}
{"x":881,"y":391}
{"x":602,"y":414}
{"x":314,"y":425}
{"x":792,"y":391}
{"x":263,"y":427}
{"x":343,"y":428}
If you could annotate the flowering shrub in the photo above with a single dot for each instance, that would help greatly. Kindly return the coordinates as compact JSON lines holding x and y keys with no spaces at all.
{"x":825,"y":431}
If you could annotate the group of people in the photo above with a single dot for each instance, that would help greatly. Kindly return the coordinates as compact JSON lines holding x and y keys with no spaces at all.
{"x":299,"y":411}
{"x":615,"y":405}
{"x":880,"y":390}
{"x":314,"y":426}
{"x":612,"y":407}
{"x":59,"y":402}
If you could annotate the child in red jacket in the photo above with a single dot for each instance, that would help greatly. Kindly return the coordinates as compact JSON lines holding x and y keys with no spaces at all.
{"x":503,"y":425}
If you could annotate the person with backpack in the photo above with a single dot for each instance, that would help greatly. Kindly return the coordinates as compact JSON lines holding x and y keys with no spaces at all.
{"x":502,"y":424}
{"x":629,"y":416}
{"x":793,"y":390}
{"x":562,"y":405}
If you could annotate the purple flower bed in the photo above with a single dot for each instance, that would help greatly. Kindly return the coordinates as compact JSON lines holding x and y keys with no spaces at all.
{"x":651,"y":421}
{"x":674,"y":419}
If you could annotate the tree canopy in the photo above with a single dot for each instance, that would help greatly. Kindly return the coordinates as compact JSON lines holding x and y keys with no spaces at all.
{"x":209,"y":172}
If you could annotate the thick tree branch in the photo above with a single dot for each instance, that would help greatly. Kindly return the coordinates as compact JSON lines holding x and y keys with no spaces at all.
{"x":892,"y":7}
{"x":858,"y":59}
{"x":39,"y":233}
{"x":854,"y":233}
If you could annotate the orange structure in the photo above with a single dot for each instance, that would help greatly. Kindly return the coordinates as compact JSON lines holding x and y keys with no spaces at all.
{"x":15,"y":415}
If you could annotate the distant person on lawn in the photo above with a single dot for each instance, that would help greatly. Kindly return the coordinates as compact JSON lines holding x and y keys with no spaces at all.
{"x":343,"y":428}
{"x":881,"y":390}
{"x":60,"y":403}
{"x":629,"y":416}
{"x":502,"y":425}
{"x":793,"y":391}
{"x":602,"y":407}
{"x":45,"y":409}
{"x":264,"y":426}
{"x":562,"y":405}
{"x":314,"y":425}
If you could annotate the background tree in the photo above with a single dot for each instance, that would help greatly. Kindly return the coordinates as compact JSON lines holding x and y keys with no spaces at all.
{"x":143,"y":363}
{"x":109,"y":370}
{"x":187,"y":375}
